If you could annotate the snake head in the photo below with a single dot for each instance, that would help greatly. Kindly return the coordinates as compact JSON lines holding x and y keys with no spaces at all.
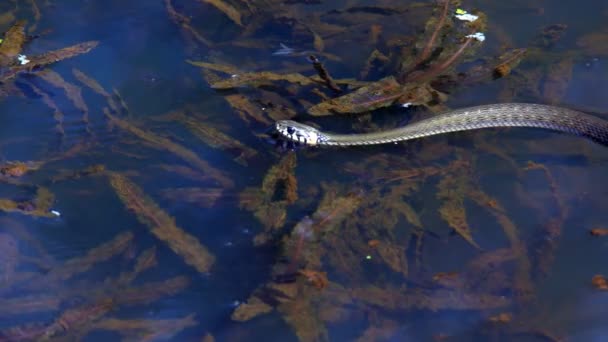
{"x":300,"y":133}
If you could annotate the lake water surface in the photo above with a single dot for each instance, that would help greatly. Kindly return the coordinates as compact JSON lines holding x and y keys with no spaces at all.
{"x":153,"y":206}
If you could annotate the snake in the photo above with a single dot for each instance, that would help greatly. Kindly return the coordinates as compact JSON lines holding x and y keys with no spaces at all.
{"x":558,"y":119}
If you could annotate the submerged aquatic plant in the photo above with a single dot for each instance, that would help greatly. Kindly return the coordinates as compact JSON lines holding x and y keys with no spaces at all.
{"x":357,"y":252}
{"x":162,"y":225}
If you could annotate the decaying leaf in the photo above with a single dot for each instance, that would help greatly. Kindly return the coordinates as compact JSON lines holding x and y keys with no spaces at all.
{"x":508,"y":62}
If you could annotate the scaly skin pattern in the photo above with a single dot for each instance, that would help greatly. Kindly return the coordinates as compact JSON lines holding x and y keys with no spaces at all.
{"x":465,"y":119}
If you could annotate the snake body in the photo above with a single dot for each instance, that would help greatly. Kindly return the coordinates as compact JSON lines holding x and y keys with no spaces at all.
{"x":465,"y":119}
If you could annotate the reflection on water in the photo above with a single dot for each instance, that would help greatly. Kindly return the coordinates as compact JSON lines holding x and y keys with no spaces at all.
{"x":141,"y":199}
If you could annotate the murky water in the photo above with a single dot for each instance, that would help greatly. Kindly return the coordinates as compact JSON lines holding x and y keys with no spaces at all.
{"x":155,"y":229}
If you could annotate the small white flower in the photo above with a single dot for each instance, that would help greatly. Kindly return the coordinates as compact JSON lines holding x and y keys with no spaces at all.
{"x":23,"y":59}
{"x":55,"y":212}
{"x":467,"y":17}
{"x":478,"y":35}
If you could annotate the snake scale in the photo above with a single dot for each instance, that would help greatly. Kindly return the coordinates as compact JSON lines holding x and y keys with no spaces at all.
{"x":486,"y":116}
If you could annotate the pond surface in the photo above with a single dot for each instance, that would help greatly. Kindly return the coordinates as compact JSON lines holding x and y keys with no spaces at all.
{"x":143,"y":197}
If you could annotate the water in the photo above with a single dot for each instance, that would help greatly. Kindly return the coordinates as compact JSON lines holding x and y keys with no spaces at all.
{"x":380,"y":239}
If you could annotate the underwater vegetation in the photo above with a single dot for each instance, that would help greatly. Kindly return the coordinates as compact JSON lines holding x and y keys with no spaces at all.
{"x":379,"y":239}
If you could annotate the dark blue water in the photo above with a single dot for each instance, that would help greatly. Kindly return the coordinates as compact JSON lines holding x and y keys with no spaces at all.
{"x":141,"y":61}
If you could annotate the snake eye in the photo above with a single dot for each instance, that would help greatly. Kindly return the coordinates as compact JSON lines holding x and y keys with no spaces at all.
{"x":290,"y":130}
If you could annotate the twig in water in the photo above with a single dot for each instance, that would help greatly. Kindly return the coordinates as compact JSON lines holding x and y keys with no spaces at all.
{"x":427,"y":49}
{"x":329,"y":82}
